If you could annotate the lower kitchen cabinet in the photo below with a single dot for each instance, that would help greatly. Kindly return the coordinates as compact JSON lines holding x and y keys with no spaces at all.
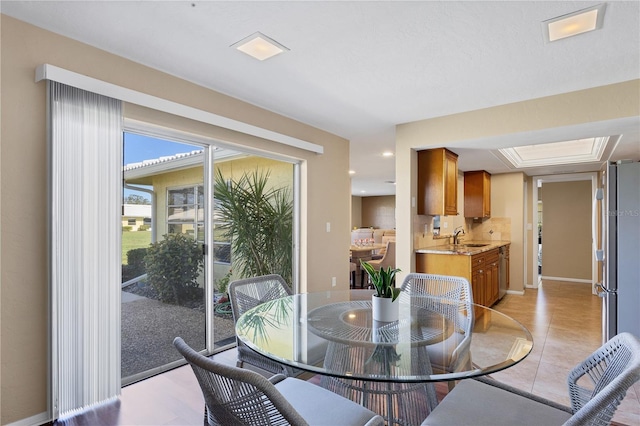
{"x":482,"y":270}
{"x":492,"y":277}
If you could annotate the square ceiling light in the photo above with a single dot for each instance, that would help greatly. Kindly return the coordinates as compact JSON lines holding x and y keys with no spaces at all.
{"x":575,"y":23}
{"x":259,"y":46}
{"x":557,"y":153}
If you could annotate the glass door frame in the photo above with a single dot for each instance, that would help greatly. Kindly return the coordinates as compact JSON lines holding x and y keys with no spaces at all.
{"x":171,"y":134}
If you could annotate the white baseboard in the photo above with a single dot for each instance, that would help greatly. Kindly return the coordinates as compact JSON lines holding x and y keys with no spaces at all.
{"x":38,"y":419}
{"x":573,"y":280}
{"x":516,"y":292}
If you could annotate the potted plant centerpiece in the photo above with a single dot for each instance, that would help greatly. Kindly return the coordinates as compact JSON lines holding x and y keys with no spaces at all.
{"x":382,"y":302}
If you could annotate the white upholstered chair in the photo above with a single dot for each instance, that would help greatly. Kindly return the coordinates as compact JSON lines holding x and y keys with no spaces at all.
{"x":388,"y":259}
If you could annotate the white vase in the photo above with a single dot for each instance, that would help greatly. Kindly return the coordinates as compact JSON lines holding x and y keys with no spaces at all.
{"x":384,"y":310}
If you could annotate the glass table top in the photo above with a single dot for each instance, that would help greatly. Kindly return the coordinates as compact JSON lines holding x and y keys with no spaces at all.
{"x":332,"y":333}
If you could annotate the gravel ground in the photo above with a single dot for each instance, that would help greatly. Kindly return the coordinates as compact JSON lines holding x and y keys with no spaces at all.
{"x":149,"y":327}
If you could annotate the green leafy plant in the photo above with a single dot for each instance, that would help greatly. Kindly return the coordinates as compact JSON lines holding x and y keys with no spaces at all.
{"x":135,"y":264}
{"x":223,"y":283}
{"x":383,"y":280}
{"x":173,"y":265}
{"x":258,"y":220}
{"x":272,"y":314}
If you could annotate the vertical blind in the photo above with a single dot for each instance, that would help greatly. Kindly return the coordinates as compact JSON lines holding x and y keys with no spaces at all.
{"x":85,"y":155}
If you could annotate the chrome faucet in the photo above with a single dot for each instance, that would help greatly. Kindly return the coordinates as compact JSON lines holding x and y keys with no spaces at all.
{"x":457,"y":232}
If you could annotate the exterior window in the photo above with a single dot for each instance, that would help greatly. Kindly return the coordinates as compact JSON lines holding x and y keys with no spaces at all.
{"x":185,"y":211}
{"x":146,"y":221}
{"x":186,"y":215}
{"x":221,"y":244}
{"x":131,"y":222}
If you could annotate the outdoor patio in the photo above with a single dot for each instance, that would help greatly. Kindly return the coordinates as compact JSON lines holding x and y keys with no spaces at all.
{"x":149,"y":327}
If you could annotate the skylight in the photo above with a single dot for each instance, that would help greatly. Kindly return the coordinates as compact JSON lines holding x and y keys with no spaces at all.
{"x":568,"y":152}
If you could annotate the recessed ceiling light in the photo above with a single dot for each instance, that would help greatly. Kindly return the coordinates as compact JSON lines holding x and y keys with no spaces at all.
{"x":575,"y":23}
{"x":352,"y":172}
{"x":387,"y":154}
{"x":567,"y":152}
{"x":259,"y":46}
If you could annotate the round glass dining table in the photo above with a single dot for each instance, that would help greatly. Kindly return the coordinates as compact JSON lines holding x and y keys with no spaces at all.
{"x":332,"y":333}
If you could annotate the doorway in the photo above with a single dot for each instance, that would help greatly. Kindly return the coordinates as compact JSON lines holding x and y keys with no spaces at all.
{"x":563,"y":248}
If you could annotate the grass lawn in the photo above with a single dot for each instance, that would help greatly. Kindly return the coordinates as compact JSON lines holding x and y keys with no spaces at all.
{"x":133,"y":240}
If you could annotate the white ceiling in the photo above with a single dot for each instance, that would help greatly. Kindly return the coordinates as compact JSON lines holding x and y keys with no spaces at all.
{"x":356,"y":69}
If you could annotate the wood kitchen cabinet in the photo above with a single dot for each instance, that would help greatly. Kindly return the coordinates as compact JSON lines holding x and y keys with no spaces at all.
{"x":478,"y":281}
{"x":437,"y":182}
{"x":482,"y":270}
{"x":506,"y":266}
{"x":492,"y":277}
{"x":477,"y":194}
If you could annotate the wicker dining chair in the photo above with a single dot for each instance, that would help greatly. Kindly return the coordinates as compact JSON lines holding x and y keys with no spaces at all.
{"x":248,"y":293}
{"x":236,"y":396}
{"x":453,"y":354}
{"x":596,"y":388}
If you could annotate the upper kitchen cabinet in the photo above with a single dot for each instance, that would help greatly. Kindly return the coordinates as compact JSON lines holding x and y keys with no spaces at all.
{"x":477,"y":194}
{"x":437,"y":182}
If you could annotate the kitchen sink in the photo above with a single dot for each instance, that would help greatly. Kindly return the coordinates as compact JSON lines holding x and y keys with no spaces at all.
{"x":475,"y":245}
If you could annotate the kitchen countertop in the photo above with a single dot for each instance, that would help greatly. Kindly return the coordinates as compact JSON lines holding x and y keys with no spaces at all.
{"x":463,"y":248}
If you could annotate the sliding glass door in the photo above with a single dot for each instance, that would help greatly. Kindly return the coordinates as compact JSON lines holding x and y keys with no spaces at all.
{"x":163,"y":234}
{"x":195,"y":217}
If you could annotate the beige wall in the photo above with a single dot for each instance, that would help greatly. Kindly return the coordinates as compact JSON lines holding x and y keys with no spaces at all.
{"x":531,"y":117}
{"x":566,"y":229}
{"x":507,"y":201}
{"x":23,"y":177}
{"x":379,"y":212}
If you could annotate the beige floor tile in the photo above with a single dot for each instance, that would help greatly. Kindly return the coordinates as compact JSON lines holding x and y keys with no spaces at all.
{"x":564,"y":354}
{"x":521,"y":376}
{"x":550,"y":383}
{"x":565,"y":322}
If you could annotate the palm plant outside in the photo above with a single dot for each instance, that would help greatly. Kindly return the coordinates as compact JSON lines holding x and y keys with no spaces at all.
{"x":258,"y":220}
{"x":270,"y":314}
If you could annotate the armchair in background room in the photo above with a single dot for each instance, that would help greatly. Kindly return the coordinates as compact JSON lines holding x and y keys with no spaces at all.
{"x":388,"y":259}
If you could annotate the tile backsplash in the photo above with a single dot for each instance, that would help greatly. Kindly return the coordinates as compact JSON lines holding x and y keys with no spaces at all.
{"x":491,"y":229}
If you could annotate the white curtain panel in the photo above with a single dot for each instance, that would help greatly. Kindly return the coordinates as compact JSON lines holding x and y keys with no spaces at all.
{"x":85,"y":154}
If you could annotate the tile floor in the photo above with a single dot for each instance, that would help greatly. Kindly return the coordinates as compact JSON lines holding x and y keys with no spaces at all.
{"x":565,"y":321}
